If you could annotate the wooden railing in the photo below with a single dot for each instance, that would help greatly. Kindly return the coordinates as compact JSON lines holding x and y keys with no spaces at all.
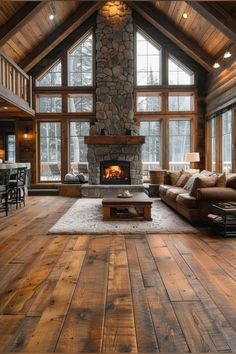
{"x":14,"y":79}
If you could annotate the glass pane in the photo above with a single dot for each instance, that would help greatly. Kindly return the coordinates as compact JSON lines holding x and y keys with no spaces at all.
{"x":151,"y":150}
{"x":11,"y":148}
{"x":80,"y":103}
{"x":52,"y":77}
{"x":81,"y":63}
{"x":50,"y":151}
{"x":78,"y":150}
{"x":180,"y":103}
{"x":227,"y":141}
{"x":147,"y":62}
{"x":148,"y":103}
{"x":179,"y":142}
{"x":179,"y":74}
{"x":49,"y":104}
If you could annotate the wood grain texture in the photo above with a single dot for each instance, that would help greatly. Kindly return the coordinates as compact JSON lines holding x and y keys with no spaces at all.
{"x":112,"y":293}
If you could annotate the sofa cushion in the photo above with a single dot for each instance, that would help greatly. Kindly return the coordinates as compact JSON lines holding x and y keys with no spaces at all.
{"x":173,"y":192}
{"x":187,"y":201}
{"x":231,"y":181}
{"x":174,"y":176}
{"x":203,"y":182}
{"x":221,"y":180}
{"x":183,"y":179}
{"x":188,"y":186}
{"x":163,"y":188}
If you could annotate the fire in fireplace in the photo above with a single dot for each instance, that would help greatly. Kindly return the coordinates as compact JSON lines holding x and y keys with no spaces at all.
{"x":114,"y":172}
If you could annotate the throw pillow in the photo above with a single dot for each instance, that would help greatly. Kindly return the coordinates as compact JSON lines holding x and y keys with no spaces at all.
{"x":202,"y":182}
{"x":188,"y":186}
{"x":231,"y":182}
{"x":183,"y":179}
{"x":221,"y":180}
{"x":174,"y":176}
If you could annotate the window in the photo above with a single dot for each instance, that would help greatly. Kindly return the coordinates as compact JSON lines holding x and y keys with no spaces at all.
{"x":178,"y":74}
{"x":78,"y":150}
{"x":180,"y":102}
{"x":179,"y":143}
{"x":148,"y":102}
{"x":151,"y":150}
{"x":49,"y":104}
{"x":148,"y":62}
{"x":52,"y":77}
{"x":227,"y":141}
{"x":213,"y":144}
{"x":50,"y":151}
{"x":11,"y":147}
{"x":80,"y":103}
{"x":81,"y":63}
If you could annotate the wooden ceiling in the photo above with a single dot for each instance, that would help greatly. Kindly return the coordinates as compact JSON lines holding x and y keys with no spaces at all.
{"x":25,"y":28}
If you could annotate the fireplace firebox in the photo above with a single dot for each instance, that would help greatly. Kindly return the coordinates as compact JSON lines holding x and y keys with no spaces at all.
{"x":115,"y":172}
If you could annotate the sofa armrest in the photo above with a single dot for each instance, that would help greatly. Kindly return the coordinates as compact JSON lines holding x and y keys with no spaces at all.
{"x":216,"y":194}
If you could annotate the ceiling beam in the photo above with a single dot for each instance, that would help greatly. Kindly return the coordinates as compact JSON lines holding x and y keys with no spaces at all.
{"x":217,"y":16}
{"x":84,"y":10}
{"x":19,"y":19}
{"x":169,"y":29}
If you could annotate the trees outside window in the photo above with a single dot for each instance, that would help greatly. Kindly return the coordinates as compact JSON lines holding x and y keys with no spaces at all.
{"x":80,"y":60}
{"x":151,"y":150}
{"x":78,"y":150}
{"x":179,"y":142}
{"x":178,"y":74}
{"x":148,"y":61}
{"x":50,"y":151}
{"x":180,"y":102}
{"x":227,"y":141}
{"x":49,"y":104}
{"x":213,"y":144}
{"x":148,"y":102}
{"x":52,"y":77}
{"x":80,"y":103}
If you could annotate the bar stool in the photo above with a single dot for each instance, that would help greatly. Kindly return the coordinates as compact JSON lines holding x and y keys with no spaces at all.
{"x":4,"y":189}
{"x":17,"y":187}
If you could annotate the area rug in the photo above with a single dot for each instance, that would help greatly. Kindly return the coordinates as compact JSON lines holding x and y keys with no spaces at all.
{"x":85,"y":217}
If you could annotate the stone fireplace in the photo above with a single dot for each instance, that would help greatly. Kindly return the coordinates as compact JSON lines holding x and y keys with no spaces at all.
{"x":115,"y":134}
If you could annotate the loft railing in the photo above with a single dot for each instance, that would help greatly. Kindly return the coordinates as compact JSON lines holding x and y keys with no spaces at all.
{"x":14,"y":79}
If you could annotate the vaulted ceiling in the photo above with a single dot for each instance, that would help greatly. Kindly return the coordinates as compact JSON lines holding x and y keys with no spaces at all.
{"x":27,"y":35}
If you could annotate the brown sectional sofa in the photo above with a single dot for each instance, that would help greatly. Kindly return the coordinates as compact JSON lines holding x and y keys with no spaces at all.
{"x":196,"y":208}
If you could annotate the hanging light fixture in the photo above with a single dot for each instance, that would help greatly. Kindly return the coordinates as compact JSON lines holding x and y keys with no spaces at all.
{"x":216,"y":65}
{"x":53,"y":11}
{"x":227,"y":54}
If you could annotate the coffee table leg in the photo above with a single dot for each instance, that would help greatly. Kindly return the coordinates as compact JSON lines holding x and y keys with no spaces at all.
{"x":106,"y":212}
{"x":147,"y":213}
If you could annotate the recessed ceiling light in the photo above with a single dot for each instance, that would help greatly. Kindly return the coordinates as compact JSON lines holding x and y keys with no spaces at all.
{"x":51,"y":17}
{"x":227,"y":54}
{"x":185,"y":15}
{"x":5,"y":108}
{"x":216,"y":65}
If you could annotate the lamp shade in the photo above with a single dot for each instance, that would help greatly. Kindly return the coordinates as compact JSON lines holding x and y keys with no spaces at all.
{"x":192,"y":157}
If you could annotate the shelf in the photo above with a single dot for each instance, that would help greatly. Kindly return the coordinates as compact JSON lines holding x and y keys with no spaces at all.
{"x":114,"y":140}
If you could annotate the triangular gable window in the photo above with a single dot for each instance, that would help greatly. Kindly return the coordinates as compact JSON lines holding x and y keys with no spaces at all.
{"x":52,"y":77}
{"x":178,"y":74}
{"x":80,"y":59}
{"x":148,"y":61}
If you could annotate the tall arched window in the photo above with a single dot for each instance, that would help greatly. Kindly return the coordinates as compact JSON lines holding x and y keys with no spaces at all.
{"x":80,"y":60}
{"x":148,"y":62}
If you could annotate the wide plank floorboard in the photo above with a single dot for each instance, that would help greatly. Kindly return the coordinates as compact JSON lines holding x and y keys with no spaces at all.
{"x":169,"y":293}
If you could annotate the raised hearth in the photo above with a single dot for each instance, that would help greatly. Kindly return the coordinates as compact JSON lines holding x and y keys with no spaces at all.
{"x":114,"y":140}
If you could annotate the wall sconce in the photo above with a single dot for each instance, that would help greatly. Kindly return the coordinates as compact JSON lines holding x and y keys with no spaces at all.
{"x":26,"y":133}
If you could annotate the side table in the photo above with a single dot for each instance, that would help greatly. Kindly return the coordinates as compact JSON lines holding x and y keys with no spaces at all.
{"x":223,"y":218}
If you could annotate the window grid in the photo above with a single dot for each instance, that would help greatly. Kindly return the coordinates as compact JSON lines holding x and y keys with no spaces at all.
{"x":51,"y":78}
{"x":148,"y":102}
{"x":227,"y":141}
{"x":213,"y":144}
{"x":80,"y":103}
{"x":179,"y":143}
{"x":178,"y":74}
{"x":50,"y":104}
{"x":180,"y":103}
{"x":78,"y":150}
{"x":151,"y":150}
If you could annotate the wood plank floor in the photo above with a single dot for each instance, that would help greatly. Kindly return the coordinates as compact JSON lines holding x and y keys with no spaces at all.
{"x":82,"y":293}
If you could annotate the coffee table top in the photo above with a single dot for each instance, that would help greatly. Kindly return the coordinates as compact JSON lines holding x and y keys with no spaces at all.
{"x":137,"y":198}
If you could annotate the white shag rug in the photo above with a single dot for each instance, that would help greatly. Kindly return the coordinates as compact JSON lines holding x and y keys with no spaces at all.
{"x":85,"y":217}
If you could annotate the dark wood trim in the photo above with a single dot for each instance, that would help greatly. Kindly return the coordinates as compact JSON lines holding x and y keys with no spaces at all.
{"x":114,"y":139}
{"x":160,"y":21}
{"x":19,"y":19}
{"x":84,"y":11}
{"x":214,"y":13}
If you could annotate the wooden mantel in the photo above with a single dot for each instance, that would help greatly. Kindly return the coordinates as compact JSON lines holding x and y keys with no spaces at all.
{"x":114,"y":140}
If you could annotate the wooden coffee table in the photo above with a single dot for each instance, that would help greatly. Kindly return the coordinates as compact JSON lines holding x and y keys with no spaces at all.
{"x":137,"y":207}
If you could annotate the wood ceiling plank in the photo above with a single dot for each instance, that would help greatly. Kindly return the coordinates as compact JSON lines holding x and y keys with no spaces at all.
{"x":162,"y":23}
{"x":20,"y":18}
{"x":217,"y":16}
{"x":86,"y":9}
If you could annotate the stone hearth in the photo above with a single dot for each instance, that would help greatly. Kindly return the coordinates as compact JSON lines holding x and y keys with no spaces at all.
{"x":114,"y":91}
